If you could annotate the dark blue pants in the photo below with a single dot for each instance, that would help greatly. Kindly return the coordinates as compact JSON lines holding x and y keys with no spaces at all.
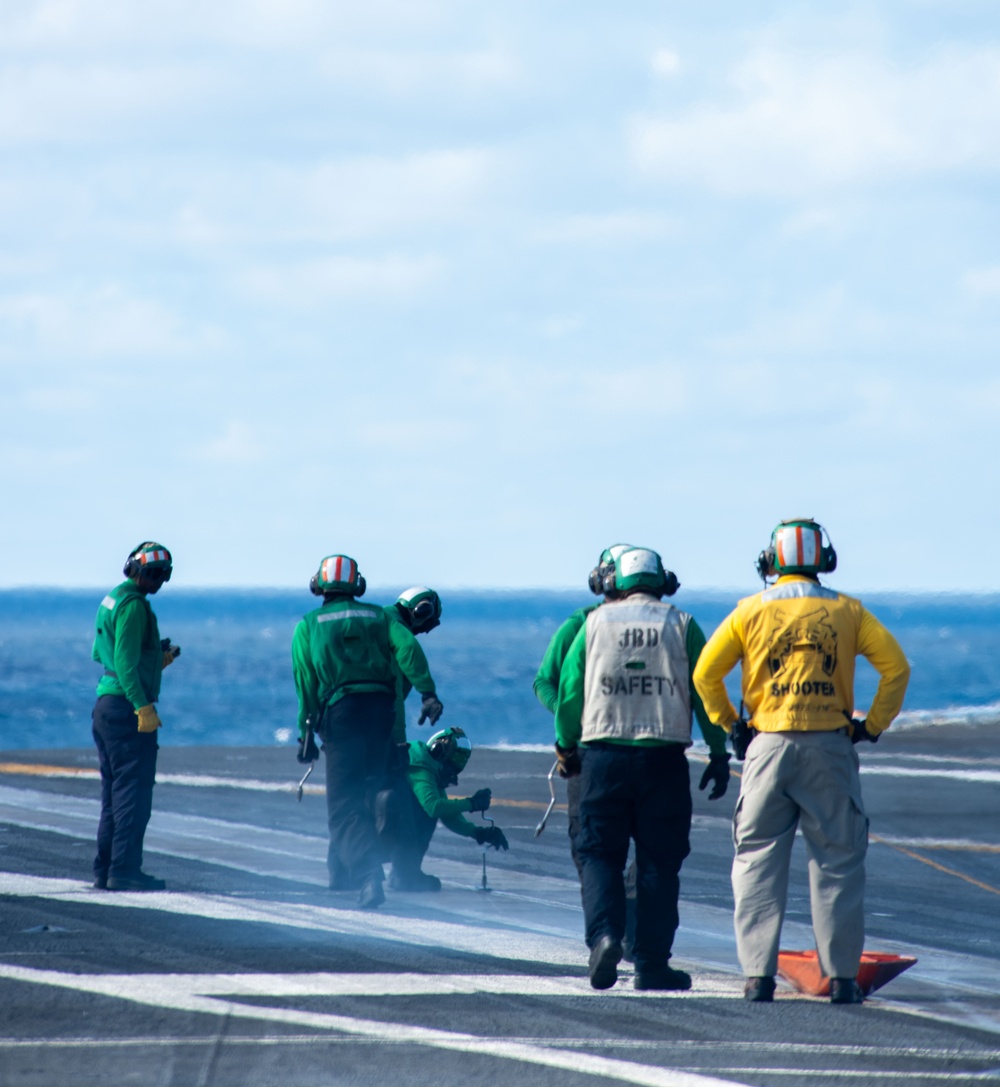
{"x":127,"y":759}
{"x":642,"y":793}
{"x":357,"y":737}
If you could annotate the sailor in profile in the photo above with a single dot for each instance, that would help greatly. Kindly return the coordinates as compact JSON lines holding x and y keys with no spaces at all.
{"x":797,"y":642}
{"x":127,"y":643}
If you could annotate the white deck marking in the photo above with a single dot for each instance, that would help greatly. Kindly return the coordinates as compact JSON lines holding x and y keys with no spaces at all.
{"x":989,"y":776}
{"x":186,"y":993}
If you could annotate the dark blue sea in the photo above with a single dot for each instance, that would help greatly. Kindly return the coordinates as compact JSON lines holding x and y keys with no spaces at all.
{"x":233,"y":682}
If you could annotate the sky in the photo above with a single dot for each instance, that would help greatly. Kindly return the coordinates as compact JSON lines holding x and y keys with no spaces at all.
{"x":471,"y":291}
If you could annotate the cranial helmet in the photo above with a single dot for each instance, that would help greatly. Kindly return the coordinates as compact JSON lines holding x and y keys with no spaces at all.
{"x":450,"y":746}
{"x":605,"y":569}
{"x":797,"y":548}
{"x":423,"y":606}
{"x":150,"y":559}
{"x":337,"y":574}
{"x":640,"y":569}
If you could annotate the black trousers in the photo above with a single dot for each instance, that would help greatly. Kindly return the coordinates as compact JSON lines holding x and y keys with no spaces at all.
{"x":642,"y":794}
{"x":356,"y":732}
{"x":406,"y":835}
{"x":127,"y":758}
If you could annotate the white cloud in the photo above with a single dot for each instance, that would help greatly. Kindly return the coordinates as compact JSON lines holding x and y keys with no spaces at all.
{"x":237,"y":444}
{"x":108,"y":322}
{"x":983,"y":282}
{"x":793,"y":122}
{"x":611,"y":228}
{"x":666,"y":63}
{"x":310,"y":284}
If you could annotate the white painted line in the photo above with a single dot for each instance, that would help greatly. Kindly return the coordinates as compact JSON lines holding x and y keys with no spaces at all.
{"x":166,"y":992}
{"x":989,"y":776}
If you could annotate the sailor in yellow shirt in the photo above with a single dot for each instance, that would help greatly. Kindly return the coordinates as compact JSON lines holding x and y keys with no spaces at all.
{"x":797,"y":642}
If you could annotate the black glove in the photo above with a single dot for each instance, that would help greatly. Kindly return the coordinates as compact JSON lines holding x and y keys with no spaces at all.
{"x":860,"y":731}
{"x":430,"y":709}
{"x":569,"y":761}
{"x":493,"y":836}
{"x":717,"y":772}
{"x":742,"y":737}
{"x":308,"y":751}
{"x":480,"y":800}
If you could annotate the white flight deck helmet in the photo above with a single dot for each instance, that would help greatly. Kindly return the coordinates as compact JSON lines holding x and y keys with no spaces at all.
{"x":423,"y":606}
{"x":641,"y":568}
{"x":601,"y":579}
{"x":797,"y":547}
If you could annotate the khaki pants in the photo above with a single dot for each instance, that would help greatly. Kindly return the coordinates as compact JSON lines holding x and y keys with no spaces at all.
{"x":805,"y":780}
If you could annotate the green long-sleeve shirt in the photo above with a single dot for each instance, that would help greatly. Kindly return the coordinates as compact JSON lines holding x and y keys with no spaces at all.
{"x":127,"y":644}
{"x":348,"y":647}
{"x":569,"y":710}
{"x":412,"y":663}
{"x":546,"y":685}
{"x":424,"y":776}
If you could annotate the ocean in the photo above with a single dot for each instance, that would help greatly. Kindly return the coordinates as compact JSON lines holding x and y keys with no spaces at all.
{"x":233,"y":684}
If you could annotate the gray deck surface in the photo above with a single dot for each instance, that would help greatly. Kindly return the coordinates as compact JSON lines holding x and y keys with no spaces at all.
{"x":247,"y":971}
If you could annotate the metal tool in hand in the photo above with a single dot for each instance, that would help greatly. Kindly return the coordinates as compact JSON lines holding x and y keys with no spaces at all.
{"x":305,"y":777}
{"x":552,"y":802}
{"x":486,"y":846}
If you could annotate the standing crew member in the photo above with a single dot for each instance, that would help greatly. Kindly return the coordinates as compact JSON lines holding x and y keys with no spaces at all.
{"x":407,"y":814}
{"x":797,"y":642}
{"x":127,"y":642}
{"x":419,"y":610}
{"x":625,"y":697}
{"x":344,"y":659}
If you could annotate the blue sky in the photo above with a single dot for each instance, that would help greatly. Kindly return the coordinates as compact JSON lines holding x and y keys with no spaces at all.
{"x":471,"y":291}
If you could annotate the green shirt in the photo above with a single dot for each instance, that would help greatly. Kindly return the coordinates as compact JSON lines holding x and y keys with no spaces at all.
{"x":424,"y":775}
{"x":411,"y":662}
{"x":347,"y":647}
{"x":127,"y":643}
{"x":569,"y":710}
{"x":546,"y":685}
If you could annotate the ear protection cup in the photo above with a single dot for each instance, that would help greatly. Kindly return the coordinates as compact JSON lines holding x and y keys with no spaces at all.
{"x":594,"y":582}
{"x":314,"y":586}
{"x":670,"y":583}
{"x":362,"y":585}
{"x":765,"y":563}
{"x":828,"y":559}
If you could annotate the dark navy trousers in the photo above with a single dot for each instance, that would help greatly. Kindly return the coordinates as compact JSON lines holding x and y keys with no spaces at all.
{"x":127,"y":759}
{"x":643,"y":794}
{"x":357,"y":737}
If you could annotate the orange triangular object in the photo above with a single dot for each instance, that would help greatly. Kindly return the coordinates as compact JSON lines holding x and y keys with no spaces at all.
{"x":802,"y":969}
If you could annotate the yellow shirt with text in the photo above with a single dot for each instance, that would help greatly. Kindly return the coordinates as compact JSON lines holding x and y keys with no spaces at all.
{"x":797,"y":641}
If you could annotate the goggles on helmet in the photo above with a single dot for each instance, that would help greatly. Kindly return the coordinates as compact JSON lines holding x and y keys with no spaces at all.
{"x":423,"y":606}
{"x":451,"y":746}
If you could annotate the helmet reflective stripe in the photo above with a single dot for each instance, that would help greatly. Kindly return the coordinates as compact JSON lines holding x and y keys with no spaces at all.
{"x":153,"y":556}
{"x":798,"y":545}
{"x":333,"y":569}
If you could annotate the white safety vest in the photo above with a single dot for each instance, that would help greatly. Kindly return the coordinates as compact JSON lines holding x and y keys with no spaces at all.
{"x":637,"y":678}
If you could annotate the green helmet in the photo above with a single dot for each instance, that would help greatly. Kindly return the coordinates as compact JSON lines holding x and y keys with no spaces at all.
{"x":605,"y":569}
{"x":337,"y":574}
{"x":451,"y":746}
{"x":640,"y":569}
{"x":422,"y":607}
{"x":150,"y":559}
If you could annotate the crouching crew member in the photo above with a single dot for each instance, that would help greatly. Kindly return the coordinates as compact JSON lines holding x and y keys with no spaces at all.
{"x":407,"y":814}
{"x":625,"y":698}
{"x":127,"y":642}
{"x":344,"y":658}
{"x":797,"y":643}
